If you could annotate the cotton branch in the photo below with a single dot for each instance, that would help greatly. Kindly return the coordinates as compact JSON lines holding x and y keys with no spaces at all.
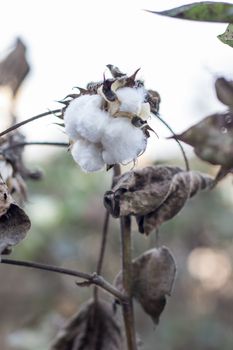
{"x":89,"y":278}
{"x":16,"y":126}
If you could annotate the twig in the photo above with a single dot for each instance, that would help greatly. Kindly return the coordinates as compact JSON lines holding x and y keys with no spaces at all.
{"x":116,"y":172}
{"x":91,"y":278}
{"x":127,"y":308}
{"x":177,"y":141}
{"x":16,"y":126}
{"x":41,"y":143}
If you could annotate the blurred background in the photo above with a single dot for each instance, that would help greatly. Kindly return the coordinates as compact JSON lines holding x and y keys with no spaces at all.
{"x":68,"y":44}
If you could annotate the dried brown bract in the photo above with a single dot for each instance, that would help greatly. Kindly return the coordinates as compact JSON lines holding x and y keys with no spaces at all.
{"x":154,"y":194}
{"x":93,"y":328}
{"x":153,"y":278}
{"x":224,"y":91}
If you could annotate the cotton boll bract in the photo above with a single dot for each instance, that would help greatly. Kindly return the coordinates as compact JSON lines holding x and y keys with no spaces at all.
{"x":122,"y":142}
{"x":88,"y":155}
{"x":131,"y":99}
{"x":84,"y":117}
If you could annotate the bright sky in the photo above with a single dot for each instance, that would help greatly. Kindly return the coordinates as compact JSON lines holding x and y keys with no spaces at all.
{"x":70,"y":42}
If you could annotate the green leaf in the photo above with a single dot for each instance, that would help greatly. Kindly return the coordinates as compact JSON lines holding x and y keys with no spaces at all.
{"x":227,"y":36}
{"x":207,"y":11}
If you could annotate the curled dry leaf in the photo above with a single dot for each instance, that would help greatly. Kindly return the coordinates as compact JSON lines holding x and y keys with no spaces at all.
{"x":224,"y":91}
{"x":93,"y":328}
{"x":212,"y":138}
{"x":14,"y":225}
{"x":152,"y":279}
{"x":153,"y":194}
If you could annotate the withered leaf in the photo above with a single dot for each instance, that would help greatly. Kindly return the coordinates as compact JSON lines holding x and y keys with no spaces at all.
{"x":14,"y":68}
{"x":14,"y":225}
{"x":5,"y":198}
{"x":153,"y":194}
{"x":227,"y":36}
{"x":94,"y":327}
{"x":224,"y":91}
{"x":152,"y":280}
{"x":212,"y":139}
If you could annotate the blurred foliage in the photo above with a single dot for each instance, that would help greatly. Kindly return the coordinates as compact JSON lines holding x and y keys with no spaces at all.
{"x":66,"y":209}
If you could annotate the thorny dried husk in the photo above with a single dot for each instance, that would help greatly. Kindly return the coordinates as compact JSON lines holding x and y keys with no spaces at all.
{"x":153,"y":275}
{"x":154,"y":194}
{"x":212,"y":139}
{"x":94,"y":328}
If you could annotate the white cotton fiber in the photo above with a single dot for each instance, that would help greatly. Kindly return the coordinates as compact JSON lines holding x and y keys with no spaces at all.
{"x":122,"y":142}
{"x":84,"y":117}
{"x":131,"y":99}
{"x":87,"y":155}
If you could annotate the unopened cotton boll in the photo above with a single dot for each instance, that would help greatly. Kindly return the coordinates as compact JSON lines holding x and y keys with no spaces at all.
{"x":84,"y":117}
{"x":88,"y":155}
{"x":131,"y":99}
{"x":122,"y":141}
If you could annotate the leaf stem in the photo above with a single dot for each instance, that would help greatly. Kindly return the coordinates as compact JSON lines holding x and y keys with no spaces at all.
{"x":177,"y":141}
{"x":16,"y":126}
{"x":127,"y":308}
{"x":89,"y":278}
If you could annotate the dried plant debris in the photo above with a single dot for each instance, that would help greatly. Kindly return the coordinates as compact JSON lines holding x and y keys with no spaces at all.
{"x":12,"y":168}
{"x":153,"y":277}
{"x":14,"y":68}
{"x":94,"y":328}
{"x":14,"y":223}
{"x":107,"y":122}
{"x":212,"y":139}
{"x":154,"y":194}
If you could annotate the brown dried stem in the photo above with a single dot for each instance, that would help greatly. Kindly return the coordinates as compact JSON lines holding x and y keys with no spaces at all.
{"x":89,"y":278}
{"x":116,"y":172}
{"x":127,"y":308}
{"x":40,"y":143}
{"x":16,"y":126}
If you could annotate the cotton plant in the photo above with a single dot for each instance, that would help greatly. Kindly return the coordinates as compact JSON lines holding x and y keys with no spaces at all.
{"x":107,"y":122}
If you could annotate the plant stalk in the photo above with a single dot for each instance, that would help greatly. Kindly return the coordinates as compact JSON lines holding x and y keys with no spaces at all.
{"x":128,"y":313}
{"x":89,"y":278}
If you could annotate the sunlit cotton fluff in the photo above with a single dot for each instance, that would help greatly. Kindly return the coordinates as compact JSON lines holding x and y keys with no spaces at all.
{"x":131,"y":99}
{"x":122,"y":142}
{"x":84,"y":117}
{"x":88,"y":155}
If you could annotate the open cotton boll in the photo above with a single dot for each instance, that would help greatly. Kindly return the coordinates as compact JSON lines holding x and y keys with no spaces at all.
{"x":122,"y":142}
{"x":71,"y":115}
{"x":87,"y":155}
{"x":131,"y":99}
{"x":84,"y":114}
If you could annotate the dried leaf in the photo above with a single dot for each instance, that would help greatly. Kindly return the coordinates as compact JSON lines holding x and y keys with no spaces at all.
{"x":153,"y":194}
{"x":5,"y":198}
{"x":14,"y":225}
{"x":202,"y":11}
{"x":227,"y":36}
{"x":14,"y":68}
{"x":93,"y":328}
{"x":152,"y":279}
{"x":212,"y":139}
{"x":224,"y":91}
